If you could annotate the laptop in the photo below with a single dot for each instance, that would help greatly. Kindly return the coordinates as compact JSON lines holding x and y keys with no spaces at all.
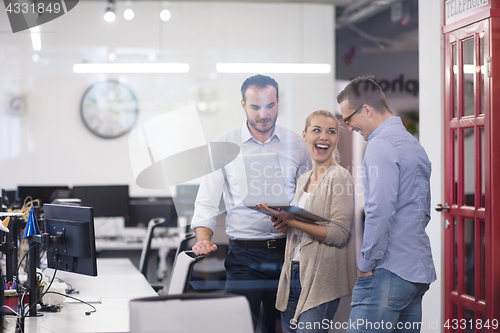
{"x":266,"y":185}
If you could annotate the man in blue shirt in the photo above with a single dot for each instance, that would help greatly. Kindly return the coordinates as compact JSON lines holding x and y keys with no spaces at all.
{"x":395,"y":266}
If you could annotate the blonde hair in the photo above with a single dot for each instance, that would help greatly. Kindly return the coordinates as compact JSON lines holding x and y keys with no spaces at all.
{"x":327,"y":114}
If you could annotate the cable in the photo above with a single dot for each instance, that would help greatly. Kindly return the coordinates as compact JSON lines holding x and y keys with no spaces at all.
{"x":22,"y":297}
{"x":76,"y":299}
{"x":50,"y":284}
{"x":40,"y":297}
{"x":19,"y":287}
{"x":11,"y":309}
{"x":21,"y":315}
{"x":24,"y":257}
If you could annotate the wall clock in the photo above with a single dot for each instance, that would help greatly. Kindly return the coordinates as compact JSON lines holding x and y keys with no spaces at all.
{"x":17,"y":105}
{"x":109,"y":109}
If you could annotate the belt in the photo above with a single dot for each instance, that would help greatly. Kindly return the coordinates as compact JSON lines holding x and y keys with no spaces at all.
{"x":267,"y":244}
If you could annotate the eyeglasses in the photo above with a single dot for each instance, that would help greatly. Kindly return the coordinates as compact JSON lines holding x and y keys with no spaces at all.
{"x":347,"y":120}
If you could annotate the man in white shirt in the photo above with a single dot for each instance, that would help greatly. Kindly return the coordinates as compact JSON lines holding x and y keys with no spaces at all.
{"x":256,"y":248}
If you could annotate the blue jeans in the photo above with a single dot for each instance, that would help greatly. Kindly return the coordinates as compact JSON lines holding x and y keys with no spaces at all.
{"x":384,"y":302}
{"x":254,"y":273}
{"x":310,"y":320}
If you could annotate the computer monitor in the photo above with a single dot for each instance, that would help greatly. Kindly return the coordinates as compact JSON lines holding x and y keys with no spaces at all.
{"x":73,"y":247}
{"x":143,"y":209}
{"x":9,"y":198}
{"x":107,"y":200}
{"x":4,"y":200}
{"x":42,"y":193}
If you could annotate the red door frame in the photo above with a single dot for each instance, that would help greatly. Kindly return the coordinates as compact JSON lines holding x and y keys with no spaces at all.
{"x":490,"y":17}
{"x":493,"y":146}
{"x":458,"y":210}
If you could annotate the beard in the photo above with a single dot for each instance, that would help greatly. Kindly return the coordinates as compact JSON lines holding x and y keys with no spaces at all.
{"x":254,"y":124}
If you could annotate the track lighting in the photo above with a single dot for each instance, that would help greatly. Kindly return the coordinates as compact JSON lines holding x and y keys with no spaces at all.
{"x":36,"y":41}
{"x":128,"y":14}
{"x":165,"y":15}
{"x":109,"y":15}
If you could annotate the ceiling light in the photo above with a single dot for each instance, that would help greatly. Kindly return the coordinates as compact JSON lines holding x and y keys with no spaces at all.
{"x":154,"y":68}
{"x":109,"y":15}
{"x":165,"y":15}
{"x":36,"y":41}
{"x":128,"y":14}
{"x":470,"y":69}
{"x":272,"y":68}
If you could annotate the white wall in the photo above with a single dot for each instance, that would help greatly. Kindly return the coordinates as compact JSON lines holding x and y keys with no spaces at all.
{"x":50,"y":145}
{"x":431,"y":132}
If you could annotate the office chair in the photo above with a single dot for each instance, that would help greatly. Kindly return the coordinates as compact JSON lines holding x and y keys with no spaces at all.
{"x":207,"y":276}
{"x":183,"y":246}
{"x":191,"y":313}
{"x":181,"y":272}
{"x":146,"y":249}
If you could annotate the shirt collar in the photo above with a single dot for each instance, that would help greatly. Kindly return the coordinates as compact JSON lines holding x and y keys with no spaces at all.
{"x":388,"y":122}
{"x":246,"y":135}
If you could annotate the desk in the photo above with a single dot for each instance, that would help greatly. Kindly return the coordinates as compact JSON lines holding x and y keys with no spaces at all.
{"x":118,"y":282}
{"x":124,"y":244}
{"x":122,"y":247}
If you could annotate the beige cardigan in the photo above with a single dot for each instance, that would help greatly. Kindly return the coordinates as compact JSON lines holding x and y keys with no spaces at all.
{"x":327,"y":269}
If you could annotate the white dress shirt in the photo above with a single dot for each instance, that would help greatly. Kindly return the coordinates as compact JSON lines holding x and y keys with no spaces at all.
{"x":242,"y":222}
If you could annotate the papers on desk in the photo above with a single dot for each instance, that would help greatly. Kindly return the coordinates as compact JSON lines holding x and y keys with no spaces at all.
{"x":87,"y":299}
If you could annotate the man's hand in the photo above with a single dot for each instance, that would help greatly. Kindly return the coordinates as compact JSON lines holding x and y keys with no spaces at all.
{"x":364,"y":274}
{"x":204,"y":247}
{"x":204,"y":244}
{"x":279,"y":224}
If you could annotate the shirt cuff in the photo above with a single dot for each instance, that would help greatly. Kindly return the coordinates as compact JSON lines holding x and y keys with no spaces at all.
{"x":366,"y":265}
{"x":209,"y":223}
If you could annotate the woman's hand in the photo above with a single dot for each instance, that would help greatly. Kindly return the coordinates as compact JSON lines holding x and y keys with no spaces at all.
{"x":281,"y":215}
{"x":317,"y":231}
{"x":279,"y":224}
{"x":279,"y":218}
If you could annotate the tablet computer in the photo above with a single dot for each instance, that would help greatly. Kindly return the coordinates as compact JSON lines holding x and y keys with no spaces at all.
{"x":266,"y":185}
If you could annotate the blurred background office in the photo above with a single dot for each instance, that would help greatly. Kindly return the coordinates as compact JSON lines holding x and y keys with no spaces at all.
{"x":50,"y":135}
{"x":45,"y":141}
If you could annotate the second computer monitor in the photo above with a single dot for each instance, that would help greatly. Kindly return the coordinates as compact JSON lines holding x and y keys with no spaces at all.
{"x":107,"y":200}
{"x":45,"y":194}
{"x":142,"y":210}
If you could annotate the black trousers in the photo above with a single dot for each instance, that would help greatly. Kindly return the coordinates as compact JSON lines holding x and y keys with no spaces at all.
{"x":254,"y":273}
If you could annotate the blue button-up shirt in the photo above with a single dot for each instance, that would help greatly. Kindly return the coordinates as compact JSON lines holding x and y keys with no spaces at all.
{"x":396,"y":180}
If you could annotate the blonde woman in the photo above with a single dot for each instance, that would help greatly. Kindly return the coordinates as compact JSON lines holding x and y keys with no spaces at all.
{"x":320,"y":264}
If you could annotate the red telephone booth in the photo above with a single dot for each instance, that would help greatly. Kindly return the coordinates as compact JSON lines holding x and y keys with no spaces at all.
{"x":472,"y":154}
